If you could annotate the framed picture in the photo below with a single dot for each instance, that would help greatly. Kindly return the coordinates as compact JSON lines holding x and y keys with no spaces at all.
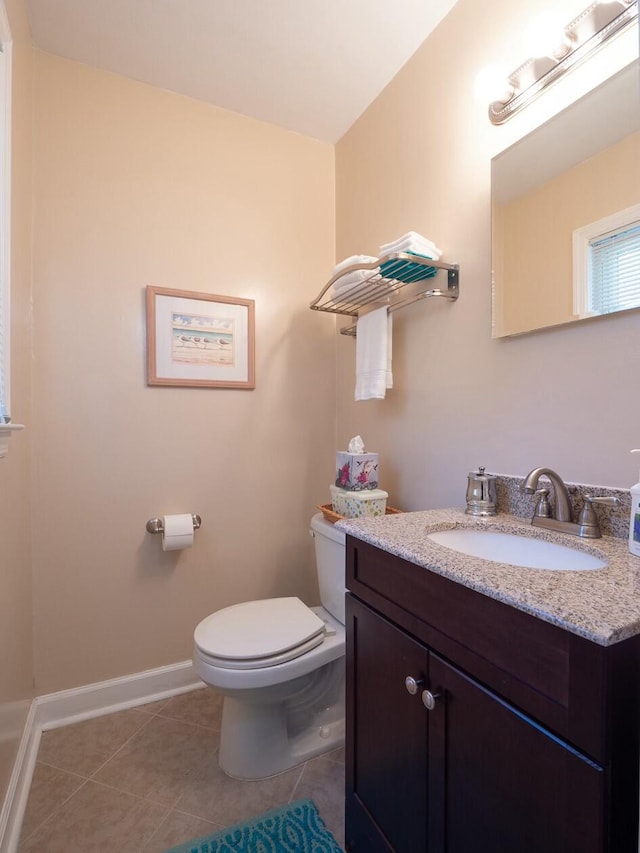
{"x":199,"y":339}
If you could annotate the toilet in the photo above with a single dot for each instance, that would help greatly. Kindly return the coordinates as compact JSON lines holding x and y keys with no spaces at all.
{"x":280,"y":666}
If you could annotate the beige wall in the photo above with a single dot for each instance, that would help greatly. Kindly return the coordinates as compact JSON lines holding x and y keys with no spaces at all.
{"x":136,"y":186}
{"x":536,"y":278}
{"x":16,"y":669}
{"x":419,"y":159}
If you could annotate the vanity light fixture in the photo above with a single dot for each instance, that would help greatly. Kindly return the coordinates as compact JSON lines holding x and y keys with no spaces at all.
{"x":554,"y":50}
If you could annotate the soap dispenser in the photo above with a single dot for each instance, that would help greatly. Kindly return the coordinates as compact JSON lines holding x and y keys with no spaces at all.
{"x":634,"y":523}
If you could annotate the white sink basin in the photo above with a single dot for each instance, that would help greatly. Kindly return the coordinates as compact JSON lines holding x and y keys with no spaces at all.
{"x":516,"y":550}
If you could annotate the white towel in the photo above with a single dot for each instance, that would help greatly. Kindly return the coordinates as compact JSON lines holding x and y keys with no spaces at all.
{"x":373,"y":355}
{"x":412,"y":242}
{"x":352,"y":261}
{"x":352,"y":279}
{"x":409,"y":237}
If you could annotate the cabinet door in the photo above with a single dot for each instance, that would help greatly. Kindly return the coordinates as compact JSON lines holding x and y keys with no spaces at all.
{"x":386,"y":737}
{"x":499,"y":782}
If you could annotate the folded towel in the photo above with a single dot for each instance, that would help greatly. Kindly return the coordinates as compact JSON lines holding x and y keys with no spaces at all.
{"x":408,"y":237}
{"x":413,"y":248}
{"x":413,"y":243}
{"x":352,"y":280}
{"x":352,"y":260}
{"x":373,"y":355}
{"x":407,"y":270}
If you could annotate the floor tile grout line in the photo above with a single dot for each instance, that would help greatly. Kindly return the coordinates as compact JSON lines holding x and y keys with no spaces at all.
{"x":62,"y":769}
{"x":57,"y":809}
{"x":157,"y":829}
{"x":144,"y":725}
{"x":120,"y":748}
{"x":216,"y":826}
{"x":164,"y":712}
{"x":297,"y":785}
{"x":92,"y":777}
{"x":140,"y":797}
{"x":213,"y":823}
{"x":190,"y":723}
{"x":146,"y":798}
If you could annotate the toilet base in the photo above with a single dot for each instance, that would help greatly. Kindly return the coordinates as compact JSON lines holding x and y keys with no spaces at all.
{"x":256,"y":746}
{"x":259,"y":740}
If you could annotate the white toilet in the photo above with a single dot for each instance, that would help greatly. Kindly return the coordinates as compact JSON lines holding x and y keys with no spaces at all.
{"x":280,"y":666}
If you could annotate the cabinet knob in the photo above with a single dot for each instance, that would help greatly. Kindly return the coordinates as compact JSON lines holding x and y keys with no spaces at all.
{"x":412,"y":684}
{"x":429,"y":699}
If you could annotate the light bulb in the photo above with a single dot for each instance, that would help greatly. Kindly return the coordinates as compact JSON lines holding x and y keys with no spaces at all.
{"x":544,"y":36}
{"x":492,"y":84}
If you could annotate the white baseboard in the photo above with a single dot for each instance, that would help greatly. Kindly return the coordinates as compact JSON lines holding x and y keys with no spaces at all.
{"x":117,"y":694}
{"x":72,"y":706}
{"x":15,"y":800}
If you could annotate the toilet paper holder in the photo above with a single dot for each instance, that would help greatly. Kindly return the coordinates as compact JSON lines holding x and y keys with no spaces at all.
{"x":156,"y":525}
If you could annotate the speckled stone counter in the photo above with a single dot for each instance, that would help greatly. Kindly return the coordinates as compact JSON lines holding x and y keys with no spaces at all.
{"x":602,"y":605}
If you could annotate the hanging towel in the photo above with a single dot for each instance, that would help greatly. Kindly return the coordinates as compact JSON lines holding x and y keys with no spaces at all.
{"x":373,"y":355}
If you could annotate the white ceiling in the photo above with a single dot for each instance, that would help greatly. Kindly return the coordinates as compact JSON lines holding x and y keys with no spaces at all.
{"x":312,"y":66}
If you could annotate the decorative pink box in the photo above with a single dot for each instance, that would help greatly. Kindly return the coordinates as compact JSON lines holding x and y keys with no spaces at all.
{"x":356,"y":471}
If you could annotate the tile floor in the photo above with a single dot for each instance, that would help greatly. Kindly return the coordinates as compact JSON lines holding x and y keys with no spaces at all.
{"x":145,"y":779}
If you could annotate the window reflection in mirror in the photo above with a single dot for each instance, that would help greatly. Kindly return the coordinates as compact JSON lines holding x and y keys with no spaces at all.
{"x":577,"y":169}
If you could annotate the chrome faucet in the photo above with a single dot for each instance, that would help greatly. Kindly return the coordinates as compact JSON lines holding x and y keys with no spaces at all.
{"x":563,"y":504}
{"x":587,"y":525}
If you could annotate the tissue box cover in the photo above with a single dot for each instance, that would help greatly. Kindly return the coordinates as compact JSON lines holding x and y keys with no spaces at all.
{"x":362,"y":504}
{"x":356,"y":471}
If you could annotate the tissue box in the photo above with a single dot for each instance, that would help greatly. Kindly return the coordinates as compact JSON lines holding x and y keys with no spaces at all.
{"x":363,"y":504}
{"x":356,"y":471}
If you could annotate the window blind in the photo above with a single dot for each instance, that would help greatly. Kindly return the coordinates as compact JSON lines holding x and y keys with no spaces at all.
{"x":614,"y":261}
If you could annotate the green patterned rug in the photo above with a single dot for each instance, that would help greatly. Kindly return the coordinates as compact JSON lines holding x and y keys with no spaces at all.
{"x":296,"y":828}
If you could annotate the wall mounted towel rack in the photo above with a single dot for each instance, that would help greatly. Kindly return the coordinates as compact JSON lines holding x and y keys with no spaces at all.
{"x":395,"y":280}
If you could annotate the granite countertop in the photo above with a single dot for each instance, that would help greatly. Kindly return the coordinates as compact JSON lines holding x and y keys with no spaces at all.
{"x":602,"y":605}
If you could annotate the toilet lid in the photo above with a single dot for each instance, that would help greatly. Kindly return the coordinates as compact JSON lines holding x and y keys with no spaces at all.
{"x":251,"y":634}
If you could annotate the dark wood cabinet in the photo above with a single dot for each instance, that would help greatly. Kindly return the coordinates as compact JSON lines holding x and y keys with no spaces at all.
{"x":389,"y":731}
{"x":502,"y":759}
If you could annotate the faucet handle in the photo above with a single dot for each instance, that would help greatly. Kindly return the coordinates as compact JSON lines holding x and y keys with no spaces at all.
{"x":543,"y":507}
{"x":588,"y":517}
{"x":601,"y":499}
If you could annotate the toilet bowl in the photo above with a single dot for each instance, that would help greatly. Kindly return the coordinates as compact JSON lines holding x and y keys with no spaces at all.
{"x":280,"y":666}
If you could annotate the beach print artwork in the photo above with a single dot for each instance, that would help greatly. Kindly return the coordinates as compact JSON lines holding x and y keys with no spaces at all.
{"x":202,"y":339}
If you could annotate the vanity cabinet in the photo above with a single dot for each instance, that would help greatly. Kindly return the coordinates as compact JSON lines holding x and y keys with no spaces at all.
{"x":530,"y":738}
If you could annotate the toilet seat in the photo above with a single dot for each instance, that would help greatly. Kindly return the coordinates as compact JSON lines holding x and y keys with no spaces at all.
{"x":256,"y":634}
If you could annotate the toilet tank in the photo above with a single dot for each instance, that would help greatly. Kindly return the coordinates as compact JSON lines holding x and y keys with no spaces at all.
{"x":330,"y":565}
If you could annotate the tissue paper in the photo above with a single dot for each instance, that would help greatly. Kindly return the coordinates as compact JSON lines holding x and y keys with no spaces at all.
{"x":356,"y":445}
{"x":178,"y":532}
{"x":355,"y":469}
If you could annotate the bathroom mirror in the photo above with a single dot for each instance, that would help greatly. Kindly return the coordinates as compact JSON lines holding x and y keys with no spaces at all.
{"x":580,"y":167}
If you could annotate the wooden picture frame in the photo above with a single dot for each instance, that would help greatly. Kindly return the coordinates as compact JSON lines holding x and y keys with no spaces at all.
{"x":199,"y":340}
